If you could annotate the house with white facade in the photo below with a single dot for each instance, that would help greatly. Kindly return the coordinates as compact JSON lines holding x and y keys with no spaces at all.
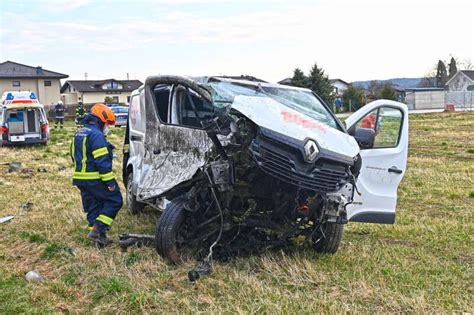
{"x":460,"y":90}
{"x":98,"y":91}
{"x":339,"y":87}
{"x":462,"y":81}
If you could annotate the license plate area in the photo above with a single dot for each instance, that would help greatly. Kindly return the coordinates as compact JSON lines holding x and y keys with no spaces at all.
{"x":17,"y":138}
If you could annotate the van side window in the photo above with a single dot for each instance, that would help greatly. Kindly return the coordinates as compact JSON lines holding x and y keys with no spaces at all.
{"x":135,"y":114}
{"x":386,"y":122}
{"x":389,"y":124}
{"x":191,"y":108}
{"x":162,"y":100}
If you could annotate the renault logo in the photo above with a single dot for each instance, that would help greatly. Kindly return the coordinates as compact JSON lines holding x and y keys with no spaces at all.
{"x":310,"y":150}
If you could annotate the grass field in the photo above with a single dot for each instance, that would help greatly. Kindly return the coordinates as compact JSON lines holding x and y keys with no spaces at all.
{"x":423,"y":263}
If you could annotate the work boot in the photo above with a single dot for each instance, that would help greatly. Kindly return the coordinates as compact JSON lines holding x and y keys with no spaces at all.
{"x":99,"y":238}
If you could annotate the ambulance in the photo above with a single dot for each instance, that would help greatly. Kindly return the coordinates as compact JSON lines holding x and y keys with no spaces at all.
{"x":22,"y":119}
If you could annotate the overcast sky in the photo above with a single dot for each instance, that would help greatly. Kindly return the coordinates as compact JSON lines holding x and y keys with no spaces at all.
{"x":268,"y":39}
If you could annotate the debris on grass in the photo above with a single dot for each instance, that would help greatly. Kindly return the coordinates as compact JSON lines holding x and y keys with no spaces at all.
{"x":6,"y":219}
{"x":13,"y":166}
{"x":127,"y":240}
{"x":202,"y":269}
{"x":26,"y":205}
{"x":33,"y":276}
{"x":27,"y":171}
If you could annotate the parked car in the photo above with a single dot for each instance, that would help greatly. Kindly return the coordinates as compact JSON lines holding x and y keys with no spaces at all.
{"x":23,"y":119}
{"x":121,"y":115}
{"x":250,"y":165}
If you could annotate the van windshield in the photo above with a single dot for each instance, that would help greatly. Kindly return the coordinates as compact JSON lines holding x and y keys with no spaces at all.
{"x":302,"y":101}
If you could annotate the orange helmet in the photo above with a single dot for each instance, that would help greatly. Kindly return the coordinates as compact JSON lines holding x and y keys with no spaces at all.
{"x":104,"y":113}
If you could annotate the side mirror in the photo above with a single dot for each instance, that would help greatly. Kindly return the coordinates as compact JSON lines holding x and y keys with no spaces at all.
{"x":365,"y":137}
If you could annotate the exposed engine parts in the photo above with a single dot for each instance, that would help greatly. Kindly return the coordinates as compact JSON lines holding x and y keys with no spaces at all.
{"x":244,"y":167}
{"x":254,"y":193}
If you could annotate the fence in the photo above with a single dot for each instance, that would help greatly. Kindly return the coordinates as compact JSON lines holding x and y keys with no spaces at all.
{"x":460,"y":100}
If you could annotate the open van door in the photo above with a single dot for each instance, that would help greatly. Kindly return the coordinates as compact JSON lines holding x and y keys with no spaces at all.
{"x":383,"y":161}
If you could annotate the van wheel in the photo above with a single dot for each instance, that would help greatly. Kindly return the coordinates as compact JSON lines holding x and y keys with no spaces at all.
{"x":133,"y":206}
{"x":169,"y":236}
{"x":327,"y":241}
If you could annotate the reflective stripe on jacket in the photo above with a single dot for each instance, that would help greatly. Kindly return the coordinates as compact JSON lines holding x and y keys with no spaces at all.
{"x":59,"y":110}
{"x":92,"y":157}
{"x":81,"y":112}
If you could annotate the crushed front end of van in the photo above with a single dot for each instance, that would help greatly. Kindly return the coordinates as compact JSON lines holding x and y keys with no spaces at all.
{"x":245,"y":166}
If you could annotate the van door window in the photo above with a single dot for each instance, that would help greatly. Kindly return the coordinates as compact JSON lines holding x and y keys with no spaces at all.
{"x":31,"y":120}
{"x":389,"y":125}
{"x":386,"y":122}
{"x":162,"y":101}
{"x":191,"y":108}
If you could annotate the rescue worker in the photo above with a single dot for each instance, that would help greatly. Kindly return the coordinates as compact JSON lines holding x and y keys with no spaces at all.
{"x":80,"y":114}
{"x":92,"y":157}
{"x":59,"y":110}
{"x":368,"y":121}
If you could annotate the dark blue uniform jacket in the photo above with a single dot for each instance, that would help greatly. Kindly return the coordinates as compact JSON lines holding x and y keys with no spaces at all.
{"x":92,"y":156}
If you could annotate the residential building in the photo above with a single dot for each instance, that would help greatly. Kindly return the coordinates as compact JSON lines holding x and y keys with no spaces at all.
{"x":339,"y":87}
{"x":460,"y":90}
{"x":286,"y":81}
{"x":99,"y":91}
{"x":19,"y":77}
{"x":462,"y":81}
{"x":400,"y":91}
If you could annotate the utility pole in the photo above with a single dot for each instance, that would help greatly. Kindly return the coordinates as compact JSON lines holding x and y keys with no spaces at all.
{"x":128,"y":76}
{"x":85,"y":76}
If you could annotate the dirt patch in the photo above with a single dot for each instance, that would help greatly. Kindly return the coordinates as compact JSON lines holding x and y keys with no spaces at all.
{"x":467,"y":258}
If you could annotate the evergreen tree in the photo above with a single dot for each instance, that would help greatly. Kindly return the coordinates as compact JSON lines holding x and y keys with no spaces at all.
{"x":388,"y":93}
{"x":320,"y":84}
{"x":452,"y":67}
{"x":441,"y":74}
{"x":299,"y":79}
{"x":354,"y":97}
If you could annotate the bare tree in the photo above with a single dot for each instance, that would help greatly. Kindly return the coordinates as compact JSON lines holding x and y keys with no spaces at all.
{"x":466,"y":64}
{"x":374,"y":90}
{"x":429,"y":79}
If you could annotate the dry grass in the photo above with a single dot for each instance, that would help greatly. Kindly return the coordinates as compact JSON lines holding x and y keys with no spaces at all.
{"x":423,"y":263}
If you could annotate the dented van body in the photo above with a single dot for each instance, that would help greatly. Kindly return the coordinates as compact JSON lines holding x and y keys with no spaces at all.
{"x":248,"y":161}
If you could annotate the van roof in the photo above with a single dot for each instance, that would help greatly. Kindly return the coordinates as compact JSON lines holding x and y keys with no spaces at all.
{"x":19,"y":97}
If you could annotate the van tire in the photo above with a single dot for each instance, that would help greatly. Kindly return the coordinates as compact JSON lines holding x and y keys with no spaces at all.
{"x":133,"y":206}
{"x":329,"y":243}
{"x":167,"y":230}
